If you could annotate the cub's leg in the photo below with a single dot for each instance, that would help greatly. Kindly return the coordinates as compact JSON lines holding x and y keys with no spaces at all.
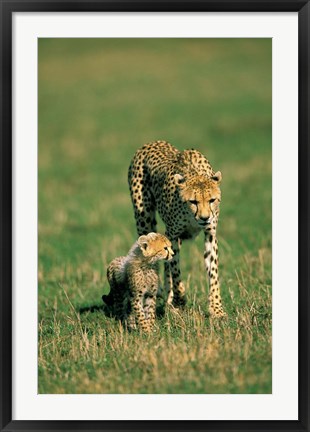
{"x":150,"y":300}
{"x":137,"y":292}
{"x":137,"y":316}
{"x":130,"y":320}
{"x":173,"y":272}
{"x":150,"y":309}
{"x":211,"y":262}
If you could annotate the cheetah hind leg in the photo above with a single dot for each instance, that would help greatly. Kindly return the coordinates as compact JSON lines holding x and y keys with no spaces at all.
{"x":143,"y":203}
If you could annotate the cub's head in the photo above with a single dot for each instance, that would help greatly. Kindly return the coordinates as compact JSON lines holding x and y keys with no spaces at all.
{"x":201,"y":196}
{"x":155,"y":247}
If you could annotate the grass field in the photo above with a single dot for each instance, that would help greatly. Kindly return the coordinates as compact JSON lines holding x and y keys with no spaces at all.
{"x":99,"y":100}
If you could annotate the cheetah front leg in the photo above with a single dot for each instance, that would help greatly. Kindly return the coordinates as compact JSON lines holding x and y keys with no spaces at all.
{"x":176,"y":297}
{"x":211,"y":262}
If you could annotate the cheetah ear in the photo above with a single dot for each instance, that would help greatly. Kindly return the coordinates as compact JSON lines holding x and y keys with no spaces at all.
{"x":142,"y":242}
{"x":217,"y":177}
{"x":179,"y":179}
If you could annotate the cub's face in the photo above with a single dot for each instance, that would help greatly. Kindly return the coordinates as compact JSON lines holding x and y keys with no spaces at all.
{"x":201,"y":196}
{"x":155,"y":247}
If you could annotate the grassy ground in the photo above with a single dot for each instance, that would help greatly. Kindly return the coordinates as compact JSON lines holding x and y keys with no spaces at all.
{"x":99,"y":100}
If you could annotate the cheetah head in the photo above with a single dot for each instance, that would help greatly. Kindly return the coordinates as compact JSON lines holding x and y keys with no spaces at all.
{"x":201,"y":196}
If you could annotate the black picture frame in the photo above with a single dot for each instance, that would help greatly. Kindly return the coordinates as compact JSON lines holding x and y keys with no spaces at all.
{"x":7,"y":10}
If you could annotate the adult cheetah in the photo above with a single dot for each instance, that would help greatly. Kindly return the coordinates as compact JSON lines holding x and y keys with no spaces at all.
{"x":184,"y":189}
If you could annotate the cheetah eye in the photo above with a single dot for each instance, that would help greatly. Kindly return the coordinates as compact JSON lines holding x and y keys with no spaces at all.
{"x":193,"y":202}
{"x":212,"y":200}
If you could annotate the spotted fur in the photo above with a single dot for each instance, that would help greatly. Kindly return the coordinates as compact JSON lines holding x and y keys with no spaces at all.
{"x":134,"y":281}
{"x":184,"y":189}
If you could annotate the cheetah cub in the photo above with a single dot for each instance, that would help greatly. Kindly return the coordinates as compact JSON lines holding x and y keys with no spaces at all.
{"x":134,"y":281}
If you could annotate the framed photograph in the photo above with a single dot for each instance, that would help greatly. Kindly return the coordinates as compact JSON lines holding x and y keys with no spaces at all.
{"x":154,"y":260}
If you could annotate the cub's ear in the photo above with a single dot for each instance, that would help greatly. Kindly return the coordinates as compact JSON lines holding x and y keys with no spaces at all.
{"x":217,"y":177}
{"x":142,"y":242}
{"x":179,"y":179}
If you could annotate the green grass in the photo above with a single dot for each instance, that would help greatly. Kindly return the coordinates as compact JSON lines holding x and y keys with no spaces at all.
{"x":99,"y":100}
